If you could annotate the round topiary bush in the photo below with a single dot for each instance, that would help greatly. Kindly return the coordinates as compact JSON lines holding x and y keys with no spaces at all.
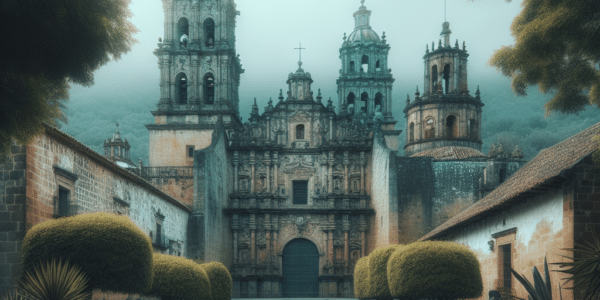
{"x":434,"y":270}
{"x":378,"y":263}
{"x":111,"y":250}
{"x":361,"y":278}
{"x":221,"y":285}
{"x":179,"y":278}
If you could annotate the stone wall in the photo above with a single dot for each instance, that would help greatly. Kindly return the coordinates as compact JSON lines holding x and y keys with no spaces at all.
{"x":212,"y":185}
{"x":12,"y":217}
{"x":384,"y":199}
{"x":169,"y":147}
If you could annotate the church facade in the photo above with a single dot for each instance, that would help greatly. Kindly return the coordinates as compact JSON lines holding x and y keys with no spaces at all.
{"x":291,"y":199}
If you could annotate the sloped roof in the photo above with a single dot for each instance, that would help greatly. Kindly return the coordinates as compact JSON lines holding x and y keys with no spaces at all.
{"x":451,"y":153}
{"x":548,"y":164}
{"x":103,"y":161}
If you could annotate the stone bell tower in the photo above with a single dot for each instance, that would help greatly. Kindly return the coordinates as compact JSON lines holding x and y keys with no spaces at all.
{"x":365,"y":82}
{"x":446,"y":114}
{"x":199,"y":79}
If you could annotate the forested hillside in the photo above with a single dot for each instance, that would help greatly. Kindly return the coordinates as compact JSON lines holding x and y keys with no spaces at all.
{"x":506,"y":118}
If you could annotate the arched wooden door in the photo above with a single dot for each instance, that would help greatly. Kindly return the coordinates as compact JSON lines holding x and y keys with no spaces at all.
{"x":300,"y":269}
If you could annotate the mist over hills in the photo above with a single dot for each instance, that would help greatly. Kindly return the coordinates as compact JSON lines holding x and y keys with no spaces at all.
{"x":507,"y":118}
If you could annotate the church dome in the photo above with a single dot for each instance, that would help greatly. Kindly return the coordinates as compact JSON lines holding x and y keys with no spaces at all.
{"x":363,"y":35}
{"x":451,"y":153}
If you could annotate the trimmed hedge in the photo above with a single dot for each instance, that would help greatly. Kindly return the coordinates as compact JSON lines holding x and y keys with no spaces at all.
{"x":378,"y":263}
{"x":110,"y":249}
{"x":361,"y":278}
{"x":434,"y":270}
{"x":221,"y":284}
{"x":179,"y":278}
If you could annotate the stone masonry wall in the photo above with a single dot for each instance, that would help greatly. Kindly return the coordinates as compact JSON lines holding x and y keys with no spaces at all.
{"x":12,"y":217}
{"x":213,"y":238}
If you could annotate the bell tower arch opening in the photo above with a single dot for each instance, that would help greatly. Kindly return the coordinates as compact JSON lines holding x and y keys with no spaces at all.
{"x":446,"y":78}
{"x":452,"y":126}
{"x":364,"y":101}
{"x":350,"y":102}
{"x":183,"y":31}
{"x":209,"y":89}
{"x":181,"y":83}
{"x":378,"y":102}
{"x":209,"y":32}
{"x":365,"y":63}
{"x":300,"y":269}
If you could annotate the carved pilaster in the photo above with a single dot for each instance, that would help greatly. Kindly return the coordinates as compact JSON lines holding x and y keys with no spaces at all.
{"x":331,"y":161}
{"x":267,"y":162}
{"x":235,"y":227}
{"x":236,"y":164}
{"x":363,"y":163}
{"x":346,"y":162}
{"x":252,"y":226}
{"x":346,"y":229}
{"x":362,"y":227}
{"x":253,"y":171}
{"x":276,"y":177}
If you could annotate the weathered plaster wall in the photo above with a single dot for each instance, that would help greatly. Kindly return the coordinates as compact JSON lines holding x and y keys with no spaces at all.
{"x":213,"y":181}
{"x":169,"y":147}
{"x":12,"y":217}
{"x":94,"y":190}
{"x":181,"y":189}
{"x":541,"y":230}
{"x":384,"y":225}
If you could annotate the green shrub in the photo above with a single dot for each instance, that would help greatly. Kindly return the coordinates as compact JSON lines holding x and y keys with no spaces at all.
{"x":434,"y":270}
{"x":361,"y":278}
{"x":378,"y":262}
{"x":56,"y":280}
{"x":179,"y":278}
{"x":112,"y":251}
{"x":221,"y":285}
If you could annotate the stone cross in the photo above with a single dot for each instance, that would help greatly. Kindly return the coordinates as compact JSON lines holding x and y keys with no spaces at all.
{"x":300,"y":51}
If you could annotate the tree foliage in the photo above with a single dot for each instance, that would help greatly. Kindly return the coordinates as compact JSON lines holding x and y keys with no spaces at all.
{"x":46,"y":46}
{"x":110,"y":249}
{"x":378,"y":272}
{"x":221,"y":284}
{"x":361,"y":278}
{"x":557,"y":48}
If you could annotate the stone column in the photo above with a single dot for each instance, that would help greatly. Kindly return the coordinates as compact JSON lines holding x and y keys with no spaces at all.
{"x":236,"y":162}
{"x":235,"y":228}
{"x":362,"y":162}
{"x":168,"y":9}
{"x":276,"y":170}
{"x":346,"y":173}
{"x":331,"y":161}
{"x":253,"y":168}
{"x":275,"y":230}
{"x":346,"y":229}
{"x":362,"y":227}
{"x":194,"y":36}
{"x":268,"y":165}
{"x":193,"y":86}
{"x":252,"y":227}
{"x":330,"y":128}
{"x":267,"y":227}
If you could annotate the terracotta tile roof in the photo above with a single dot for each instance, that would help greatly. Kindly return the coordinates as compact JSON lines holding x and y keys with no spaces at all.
{"x":547,"y":165}
{"x":451,"y":153}
{"x":103,"y":161}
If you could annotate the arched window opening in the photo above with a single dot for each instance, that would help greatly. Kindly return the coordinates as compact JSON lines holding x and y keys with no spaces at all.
{"x":351,"y":103}
{"x":365,"y":63}
{"x":430,"y":128}
{"x":377,"y":66}
{"x":411,"y":132}
{"x":378,"y":102}
{"x":451,"y":126}
{"x":364,"y":98}
{"x":446,"y":80}
{"x":434,"y":79}
{"x":209,"y":89}
{"x":473,"y":129}
{"x":209,"y":32}
{"x":183,"y":32}
{"x":300,"y":132}
{"x":352,"y":66}
{"x":181,"y":86}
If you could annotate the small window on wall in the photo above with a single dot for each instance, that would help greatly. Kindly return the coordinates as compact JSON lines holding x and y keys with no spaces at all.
{"x":190,"y":151}
{"x":209,"y":32}
{"x":64,"y":202}
{"x":64,"y":196}
{"x":505,"y":265}
{"x":300,"y":132}
{"x":300,"y":191}
{"x":411,"y":132}
{"x":429,"y":129}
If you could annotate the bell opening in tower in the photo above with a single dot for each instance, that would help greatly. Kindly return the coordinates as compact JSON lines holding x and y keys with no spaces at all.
{"x":352,"y":66}
{"x":209,"y":32}
{"x":183,"y":31}
{"x":378,"y":102}
{"x":364,"y":99}
{"x":181,"y":88}
{"x":434,"y":78}
{"x":377,"y":66}
{"x":351,"y":103}
{"x":209,"y":89}
{"x":365,"y":63}
{"x":451,"y":126}
{"x":446,"y":80}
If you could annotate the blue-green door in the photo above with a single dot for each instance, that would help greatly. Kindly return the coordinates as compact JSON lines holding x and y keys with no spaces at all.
{"x":300,"y":269}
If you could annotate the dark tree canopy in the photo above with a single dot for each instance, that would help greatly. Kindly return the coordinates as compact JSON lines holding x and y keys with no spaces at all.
{"x":46,"y":46}
{"x":558,"y":49}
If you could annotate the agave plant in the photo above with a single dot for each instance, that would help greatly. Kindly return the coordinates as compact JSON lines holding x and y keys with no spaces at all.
{"x":541,"y":289}
{"x":56,"y":281}
{"x":584,"y":268}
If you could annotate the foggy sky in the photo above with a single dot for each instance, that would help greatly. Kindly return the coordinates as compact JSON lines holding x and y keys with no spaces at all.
{"x":268,"y":31}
